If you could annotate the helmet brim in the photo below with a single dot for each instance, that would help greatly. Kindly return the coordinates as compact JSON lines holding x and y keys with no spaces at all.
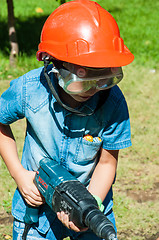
{"x":93,"y":59}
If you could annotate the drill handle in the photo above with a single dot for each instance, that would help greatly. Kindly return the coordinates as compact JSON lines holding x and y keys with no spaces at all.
{"x":31,"y":214}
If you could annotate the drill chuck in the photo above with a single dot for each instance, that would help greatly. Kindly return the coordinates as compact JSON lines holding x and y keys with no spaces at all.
{"x":75,"y":200}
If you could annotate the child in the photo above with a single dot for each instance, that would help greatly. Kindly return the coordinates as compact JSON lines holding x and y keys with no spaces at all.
{"x":75,"y":112}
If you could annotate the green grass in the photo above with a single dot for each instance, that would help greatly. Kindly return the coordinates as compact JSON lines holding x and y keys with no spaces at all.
{"x":28,"y":26}
{"x":136,"y":191}
{"x":136,"y":19}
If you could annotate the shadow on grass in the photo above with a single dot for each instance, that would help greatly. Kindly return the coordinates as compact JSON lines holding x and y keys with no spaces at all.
{"x":28,"y":34}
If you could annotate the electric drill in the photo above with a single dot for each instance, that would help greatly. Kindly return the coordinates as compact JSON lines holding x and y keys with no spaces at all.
{"x":63,"y":192}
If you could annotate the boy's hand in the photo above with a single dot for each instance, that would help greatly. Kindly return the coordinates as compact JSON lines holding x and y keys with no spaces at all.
{"x":29,"y":191}
{"x":64,"y":218}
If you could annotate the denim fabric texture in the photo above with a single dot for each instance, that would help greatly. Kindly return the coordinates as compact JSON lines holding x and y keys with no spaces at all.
{"x":53,"y":132}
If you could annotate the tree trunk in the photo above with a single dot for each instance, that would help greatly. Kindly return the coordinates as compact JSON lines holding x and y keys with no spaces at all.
{"x":12,"y":34}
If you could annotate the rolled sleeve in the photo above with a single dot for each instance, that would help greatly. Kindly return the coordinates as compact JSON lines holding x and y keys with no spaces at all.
{"x":118,"y":133}
{"x":11,"y":102}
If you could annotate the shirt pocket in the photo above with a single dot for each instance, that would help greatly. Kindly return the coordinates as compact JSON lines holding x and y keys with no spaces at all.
{"x":36,"y":105}
{"x":87,"y":151}
{"x":36,"y":95}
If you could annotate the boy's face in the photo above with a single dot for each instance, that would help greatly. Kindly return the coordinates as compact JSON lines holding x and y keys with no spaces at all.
{"x":82,"y":97}
{"x":81,"y":82}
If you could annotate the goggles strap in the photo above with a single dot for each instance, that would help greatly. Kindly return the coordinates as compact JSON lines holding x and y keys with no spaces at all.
{"x":54,"y":93}
{"x":103,"y":94}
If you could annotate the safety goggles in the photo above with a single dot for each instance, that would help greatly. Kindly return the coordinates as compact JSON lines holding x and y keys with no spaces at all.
{"x":76,"y":79}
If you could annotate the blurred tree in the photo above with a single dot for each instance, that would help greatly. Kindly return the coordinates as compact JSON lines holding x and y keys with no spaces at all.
{"x":12,"y":34}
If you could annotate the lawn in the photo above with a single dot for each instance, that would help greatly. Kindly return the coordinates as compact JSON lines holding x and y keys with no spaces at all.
{"x":136,"y":192}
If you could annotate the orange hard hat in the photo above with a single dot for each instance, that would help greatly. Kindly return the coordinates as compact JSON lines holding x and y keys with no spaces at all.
{"x":83,"y":33}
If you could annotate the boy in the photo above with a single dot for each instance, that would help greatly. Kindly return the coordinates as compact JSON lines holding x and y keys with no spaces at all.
{"x":75,"y":114}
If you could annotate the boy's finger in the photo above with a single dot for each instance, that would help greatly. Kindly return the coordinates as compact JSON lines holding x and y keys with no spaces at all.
{"x":73,"y":227}
{"x":33,"y":202}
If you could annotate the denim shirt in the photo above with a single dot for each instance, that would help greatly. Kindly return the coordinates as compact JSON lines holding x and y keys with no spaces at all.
{"x":54,"y":132}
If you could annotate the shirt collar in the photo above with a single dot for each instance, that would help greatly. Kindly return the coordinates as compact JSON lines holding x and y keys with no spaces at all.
{"x":91,"y":104}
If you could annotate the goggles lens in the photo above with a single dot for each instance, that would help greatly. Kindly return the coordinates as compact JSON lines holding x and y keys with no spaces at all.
{"x":75,"y":79}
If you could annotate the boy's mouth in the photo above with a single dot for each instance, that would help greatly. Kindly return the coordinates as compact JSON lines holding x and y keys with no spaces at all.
{"x":85,"y":97}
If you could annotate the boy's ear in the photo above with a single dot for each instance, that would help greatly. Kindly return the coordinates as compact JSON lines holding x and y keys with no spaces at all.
{"x":57,"y":63}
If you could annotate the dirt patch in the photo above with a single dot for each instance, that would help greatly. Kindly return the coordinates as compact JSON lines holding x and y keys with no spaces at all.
{"x":144,"y":196}
{"x":5,"y":219}
{"x":156,"y":185}
{"x":154,"y":237}
{"x":126,"y":235}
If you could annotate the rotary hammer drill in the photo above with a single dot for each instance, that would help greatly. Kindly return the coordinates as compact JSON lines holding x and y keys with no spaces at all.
{"x":63,"y":192}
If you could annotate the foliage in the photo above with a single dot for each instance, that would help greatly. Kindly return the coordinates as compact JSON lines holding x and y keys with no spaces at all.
{"x":136,"y":19}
